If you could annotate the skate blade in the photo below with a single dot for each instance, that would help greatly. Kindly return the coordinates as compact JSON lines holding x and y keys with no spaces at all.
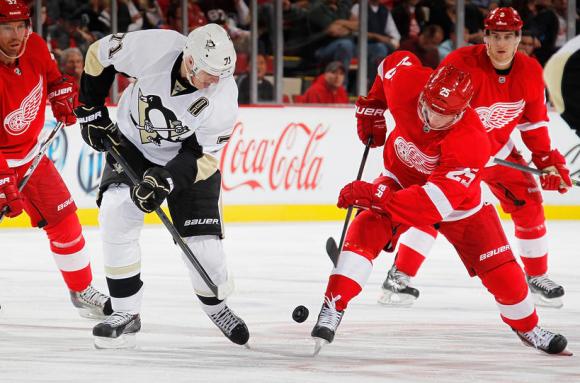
{"x":542,"y":301}
{"x":318,"y":344}
{"x":125,"y":341}
{"x":90,"y":314}
{"x":390,"y":298}
{"x":566,"y":352}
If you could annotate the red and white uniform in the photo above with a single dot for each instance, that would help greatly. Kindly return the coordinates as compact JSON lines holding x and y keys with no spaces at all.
{"x":504,"y":102}
{"x":436,"y":175}
{"x":23,"y":96}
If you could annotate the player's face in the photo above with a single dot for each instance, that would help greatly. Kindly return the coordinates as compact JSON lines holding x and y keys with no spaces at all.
{"x":434,"y":120}
{"x":12,"y":35}
{"x":203,"y":80}
{"x":501,"y":47}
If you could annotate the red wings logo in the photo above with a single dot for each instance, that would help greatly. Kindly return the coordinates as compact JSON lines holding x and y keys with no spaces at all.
{"x":18,"y":121}
{"x":500,"y":114}
{"x":411,"y":156}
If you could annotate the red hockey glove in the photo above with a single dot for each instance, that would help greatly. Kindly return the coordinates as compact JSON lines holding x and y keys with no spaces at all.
{"x":371,"y":121}
{"x":557,"y":175}
{"x":63,"y":97}
{"x":365,"y":195}
{"x":9,"y":194}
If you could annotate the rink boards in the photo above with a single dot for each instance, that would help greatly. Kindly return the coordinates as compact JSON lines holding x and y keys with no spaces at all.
{"x":282,"y":163}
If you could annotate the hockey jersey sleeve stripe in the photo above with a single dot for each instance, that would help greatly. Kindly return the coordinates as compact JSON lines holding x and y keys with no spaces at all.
{"x":353,"y":266}
{"x":438,"y":199}
{"x":93,"y":65}
{"x":531,"y":126}
{"x":518,"y":311}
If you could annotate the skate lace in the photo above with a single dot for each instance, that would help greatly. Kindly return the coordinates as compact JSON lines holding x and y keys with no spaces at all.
{"x":399,"y":279}
{"x":544,"y":282}
{"x":539,"y":337}
{"x":118,"y":318}
{"x":329,"y":315}
{"x":92,"y":296}
{"x":225,"y":319}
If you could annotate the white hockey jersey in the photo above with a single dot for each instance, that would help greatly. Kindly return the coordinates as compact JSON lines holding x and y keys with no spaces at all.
{"x":159,"y":110}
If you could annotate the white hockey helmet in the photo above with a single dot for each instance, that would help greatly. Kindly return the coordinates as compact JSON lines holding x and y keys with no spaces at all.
{"x":212,"y":51}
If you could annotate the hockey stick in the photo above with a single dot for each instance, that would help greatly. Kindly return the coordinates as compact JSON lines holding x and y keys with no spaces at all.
{"x":332,"y":249}
{"x":220,"y":292}
{"x":526,"y":169}
{"x":43,"y":148}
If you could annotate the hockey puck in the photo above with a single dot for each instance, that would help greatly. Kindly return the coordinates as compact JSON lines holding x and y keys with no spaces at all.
{"x":300,"y":314}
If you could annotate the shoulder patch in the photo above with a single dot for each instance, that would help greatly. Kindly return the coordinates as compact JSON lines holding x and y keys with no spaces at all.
{"x":200,"y":104}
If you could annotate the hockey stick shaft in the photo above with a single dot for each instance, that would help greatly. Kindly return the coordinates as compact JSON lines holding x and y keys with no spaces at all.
{"x":526,"y":169}
{"x":358,"y":178}
{"x":332,"y":249}
{"x":41,"y":152}
{"x":165,"y":220}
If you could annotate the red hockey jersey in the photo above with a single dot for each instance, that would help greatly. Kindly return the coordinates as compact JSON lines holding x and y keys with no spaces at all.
{"x":23,"y":91}
{"x":438,"y":170}
{"x":505,"y":101}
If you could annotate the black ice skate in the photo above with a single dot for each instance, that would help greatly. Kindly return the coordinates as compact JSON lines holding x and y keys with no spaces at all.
{"x":231,"y":325}
{"x":91,"y":303}
{"x":328,"y":321}
{"x":544,"y":340}
{"x":396,"y":289}
{"x":117,"y":331}
{"x":546,"y":292}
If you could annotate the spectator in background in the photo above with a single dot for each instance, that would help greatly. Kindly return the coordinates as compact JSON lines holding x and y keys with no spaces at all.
{"x":449,"y":45}
{"x":72,"y":64}
{"x":410,"y":18}
{"x":425,"y":46}
{"x":265,"y":87}
{"x":89,"y":16}
{"x":233,"y":16}
{"x":383,"y":35}
{"x":545,"y":27}
{"x":330,"y":20}
{"x":195,"y":16}
{"x":151,"y":13}
{"x":328,"y":87}
{"x":528,"y":43}
{"x":128,"y":17}
{"x":443,"y":14}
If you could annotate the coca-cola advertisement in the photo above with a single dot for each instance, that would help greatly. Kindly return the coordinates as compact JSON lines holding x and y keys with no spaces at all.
{"x":291,"y":155}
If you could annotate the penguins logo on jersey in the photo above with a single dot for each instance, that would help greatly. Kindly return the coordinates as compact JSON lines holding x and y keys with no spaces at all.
{"x":156,"y":122}
{"x":209,"y":44}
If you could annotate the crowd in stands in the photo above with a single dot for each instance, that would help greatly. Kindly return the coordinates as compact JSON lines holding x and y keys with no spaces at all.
{"x":320,"y":36}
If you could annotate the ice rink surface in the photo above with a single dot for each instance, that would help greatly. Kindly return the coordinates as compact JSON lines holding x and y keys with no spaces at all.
{"x":453,"y":333}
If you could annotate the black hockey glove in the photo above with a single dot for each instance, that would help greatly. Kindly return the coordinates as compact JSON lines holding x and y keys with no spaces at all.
{"x":96,"y":126}
{"x":150,"y":193}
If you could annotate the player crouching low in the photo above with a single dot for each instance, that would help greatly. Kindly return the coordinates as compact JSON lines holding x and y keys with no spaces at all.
{"x":432,"y":161}
{"x":172,"y":123}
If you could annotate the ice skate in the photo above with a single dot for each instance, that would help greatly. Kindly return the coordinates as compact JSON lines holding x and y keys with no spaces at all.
{"x":328,"y":321}
{"x":396,"y":289}
{"x":117,"y":331}
{"x":91,"y":303}
{"x":546,"y":292}
{"x":545,"y":341}
{"x":231,"y":325}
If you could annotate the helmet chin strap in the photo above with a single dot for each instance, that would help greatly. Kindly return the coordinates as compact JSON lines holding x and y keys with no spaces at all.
{"x":24,"y":41}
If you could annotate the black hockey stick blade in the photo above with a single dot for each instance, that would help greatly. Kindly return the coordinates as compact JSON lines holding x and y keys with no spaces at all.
{"x":332,"y":250}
